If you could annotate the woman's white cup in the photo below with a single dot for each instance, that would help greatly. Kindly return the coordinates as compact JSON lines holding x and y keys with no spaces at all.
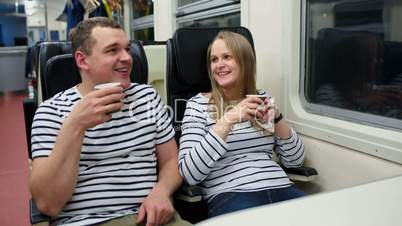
{"x":261,"y":96}
{"x":268,"y":121}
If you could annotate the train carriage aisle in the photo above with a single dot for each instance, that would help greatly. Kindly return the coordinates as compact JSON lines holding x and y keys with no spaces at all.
{"x":14,"y":170}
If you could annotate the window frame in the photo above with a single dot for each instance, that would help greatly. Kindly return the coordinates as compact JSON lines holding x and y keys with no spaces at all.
{"x":142,"y":23}
{"x":202,"y":6}
{"x":206,"y":9}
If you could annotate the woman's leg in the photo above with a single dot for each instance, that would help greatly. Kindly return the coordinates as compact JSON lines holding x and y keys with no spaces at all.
{"x":283,"y":194}
{"x":233,"y":201}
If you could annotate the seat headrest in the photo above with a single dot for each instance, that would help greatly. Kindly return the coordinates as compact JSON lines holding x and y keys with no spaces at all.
{"x":51,"y":49}
{"x":139,"y":73}
{"x":190,"y":47}
{"x":61,"y":74}
{"x":46,"y":51}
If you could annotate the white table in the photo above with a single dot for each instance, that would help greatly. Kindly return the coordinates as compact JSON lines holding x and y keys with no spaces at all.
{"x":374,"y":204}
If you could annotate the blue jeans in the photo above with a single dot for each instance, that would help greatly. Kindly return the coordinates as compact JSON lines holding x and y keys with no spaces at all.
{"x":233,"y":201}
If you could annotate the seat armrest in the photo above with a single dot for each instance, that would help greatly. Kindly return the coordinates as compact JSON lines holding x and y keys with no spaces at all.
{"x":303,"y":173}
{"x":36,"y":216}
{"x":189,"y":193}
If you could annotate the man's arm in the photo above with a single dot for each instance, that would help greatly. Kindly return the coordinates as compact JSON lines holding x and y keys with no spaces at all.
{"x":53,"y":178}
{"x":169,"y":178}
{"x":157,"y":207}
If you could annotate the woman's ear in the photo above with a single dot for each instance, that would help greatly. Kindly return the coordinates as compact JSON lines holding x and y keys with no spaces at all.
{"x":81,"y":60}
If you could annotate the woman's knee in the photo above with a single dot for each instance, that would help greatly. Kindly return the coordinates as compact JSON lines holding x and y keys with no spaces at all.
{"x":234,"y":201}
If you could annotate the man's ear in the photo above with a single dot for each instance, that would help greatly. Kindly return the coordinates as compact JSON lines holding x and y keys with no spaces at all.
{"x":81,"y":60}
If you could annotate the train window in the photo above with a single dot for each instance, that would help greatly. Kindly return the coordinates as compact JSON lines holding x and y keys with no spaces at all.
{"x":145,"y":35}
{"x":208,"y":13}
{"x":13,"y":24}
{"x":353,"y":60}
{"x":143,"y":20}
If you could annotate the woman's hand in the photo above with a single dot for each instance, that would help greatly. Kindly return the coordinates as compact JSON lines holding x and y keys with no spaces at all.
{"x":249,"y":109}
{"x":270,"y":103}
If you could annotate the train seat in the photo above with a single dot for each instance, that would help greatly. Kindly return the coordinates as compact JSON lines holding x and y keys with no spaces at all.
{"x":42,"y":52}
{"x":59,"y":73}
{"x":47,"y":50}
{"x":187,"y":76}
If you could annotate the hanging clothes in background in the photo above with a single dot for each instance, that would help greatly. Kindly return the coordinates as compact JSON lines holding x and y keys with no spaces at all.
{"x":77,"y":10}
{"x":103,"y":10}
{"x":74,"y":12}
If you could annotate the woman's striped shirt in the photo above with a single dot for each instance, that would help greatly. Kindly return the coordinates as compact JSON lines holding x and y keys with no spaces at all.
{"x":241,"y":163}
{"x":118,"y":161}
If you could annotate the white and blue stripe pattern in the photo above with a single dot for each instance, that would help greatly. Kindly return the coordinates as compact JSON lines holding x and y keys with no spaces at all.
{"x":118,"y":160}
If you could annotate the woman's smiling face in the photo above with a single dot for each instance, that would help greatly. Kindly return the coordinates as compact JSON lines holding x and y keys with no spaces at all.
{"x":224,"y":67}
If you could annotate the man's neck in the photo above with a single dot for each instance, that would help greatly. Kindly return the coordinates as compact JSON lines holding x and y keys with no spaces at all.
{"x":84,"y":88}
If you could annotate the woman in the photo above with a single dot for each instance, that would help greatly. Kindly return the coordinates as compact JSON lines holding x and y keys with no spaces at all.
{"x":223,"y":148}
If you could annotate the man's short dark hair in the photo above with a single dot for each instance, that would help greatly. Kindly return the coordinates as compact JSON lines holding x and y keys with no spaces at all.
{"x":80,"y":36}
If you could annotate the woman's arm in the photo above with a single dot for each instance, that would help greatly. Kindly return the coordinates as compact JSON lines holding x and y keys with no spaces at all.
{"x":289,"y":147}
{"x":200,"y":147}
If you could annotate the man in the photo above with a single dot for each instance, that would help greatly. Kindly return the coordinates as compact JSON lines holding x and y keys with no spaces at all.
{"x":106,"y":156}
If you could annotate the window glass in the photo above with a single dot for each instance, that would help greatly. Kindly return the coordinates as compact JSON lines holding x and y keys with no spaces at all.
{"x":142,"y":26}
{"x":142,"y":8}
{"x":353,"y":64}
{"x":13,"y":24}
{"x":144,"y":35}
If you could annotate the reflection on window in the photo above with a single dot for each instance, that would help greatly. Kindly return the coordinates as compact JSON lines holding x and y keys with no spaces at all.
{"x":228,"y":20}
{"x":354,"y":58}
{"x":144,"y":34}
{"x":143,"y":8}
{"x":142,"y":27}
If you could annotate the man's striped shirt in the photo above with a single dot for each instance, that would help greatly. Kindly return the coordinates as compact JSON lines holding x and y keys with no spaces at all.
{"x":118,"y":160}
{"x":241,"y":163}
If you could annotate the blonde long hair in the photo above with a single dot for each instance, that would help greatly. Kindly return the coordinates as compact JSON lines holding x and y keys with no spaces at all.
{"x":244,"y":56}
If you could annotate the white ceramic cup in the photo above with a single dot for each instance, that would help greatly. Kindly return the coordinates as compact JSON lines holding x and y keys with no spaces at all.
{"x":107,"y":85}
{"x":268,"y":122}
{"x":261,"y":96}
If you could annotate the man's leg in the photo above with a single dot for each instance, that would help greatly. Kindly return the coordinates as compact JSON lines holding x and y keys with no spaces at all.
{"x":177,"y":221}
{"x":129,"y":220}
